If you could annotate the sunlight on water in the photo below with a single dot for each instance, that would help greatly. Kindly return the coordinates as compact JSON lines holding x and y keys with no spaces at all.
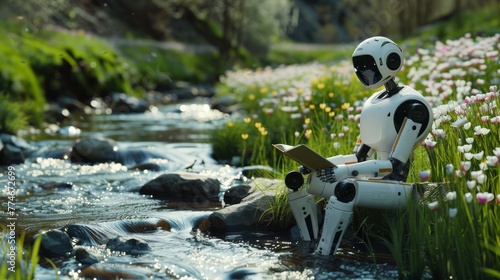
{"x":171,"y":123}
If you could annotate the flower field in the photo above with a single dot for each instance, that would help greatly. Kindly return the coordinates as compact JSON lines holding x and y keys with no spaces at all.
{"x":456,"y":233}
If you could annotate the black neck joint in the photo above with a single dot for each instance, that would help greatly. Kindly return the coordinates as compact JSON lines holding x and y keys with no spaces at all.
{"x":391,"y":87}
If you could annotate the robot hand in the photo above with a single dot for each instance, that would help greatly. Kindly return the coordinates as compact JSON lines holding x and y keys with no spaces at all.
{"x":304,"y":170}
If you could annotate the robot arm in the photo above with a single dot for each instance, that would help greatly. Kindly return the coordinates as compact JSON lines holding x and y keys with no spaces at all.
{"x":417,"y":115}
{"x":409,"y":132}
{"x":403,"y":146}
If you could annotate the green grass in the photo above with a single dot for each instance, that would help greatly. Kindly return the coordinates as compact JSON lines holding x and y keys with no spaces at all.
{"x":291,"y":53}
{"x":160,"y":65}
{"x":478,"y":22}
{"x":26,"y":260}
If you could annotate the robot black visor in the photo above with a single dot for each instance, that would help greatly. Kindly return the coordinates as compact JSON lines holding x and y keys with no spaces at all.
{"x":366,"y":69}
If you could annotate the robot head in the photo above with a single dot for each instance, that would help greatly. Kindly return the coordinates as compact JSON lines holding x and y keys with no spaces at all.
{"x":376,"y":61}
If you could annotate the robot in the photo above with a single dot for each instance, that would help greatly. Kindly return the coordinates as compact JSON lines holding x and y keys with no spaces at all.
{"x":393,"y":122}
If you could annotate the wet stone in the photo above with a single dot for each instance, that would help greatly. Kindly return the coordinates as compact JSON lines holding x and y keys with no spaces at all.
{"x":102,"y":150}
{"x":128,"y":245}
{"x":94,"y":150}
{"x":235,"y":194}
{"x":147,"y":166}
{"x":183,"y":186}
{"x":251,"y":213}
{"x":121,"y":103}
{"x":56,"y":185}
{"x":13,"y":150}
{"x":242,"y":273}
{"x":55,"y":243}
{"x":84,"y":257}
{"x":86,"y":234}
{"x":141,"y":226}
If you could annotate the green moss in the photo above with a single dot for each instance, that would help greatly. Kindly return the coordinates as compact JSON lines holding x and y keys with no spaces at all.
{"x":79,"y":65}
{"x":21,"y":94}
{"x":12,"y":116}
{"x":38,"y":67}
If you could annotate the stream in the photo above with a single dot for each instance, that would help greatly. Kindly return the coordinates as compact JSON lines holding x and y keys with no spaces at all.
{"x":53,"y":193}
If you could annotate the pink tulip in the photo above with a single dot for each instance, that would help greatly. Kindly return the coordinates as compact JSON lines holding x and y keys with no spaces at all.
{"x":485,"y":197}
{"x":424,"y":175}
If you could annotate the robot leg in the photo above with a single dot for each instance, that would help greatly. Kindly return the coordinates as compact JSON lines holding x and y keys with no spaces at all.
{"x":337,"y":217}
{"x":305,"y":212}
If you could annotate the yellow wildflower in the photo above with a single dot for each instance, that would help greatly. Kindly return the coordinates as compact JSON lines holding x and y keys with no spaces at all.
{"x":308,"y":133}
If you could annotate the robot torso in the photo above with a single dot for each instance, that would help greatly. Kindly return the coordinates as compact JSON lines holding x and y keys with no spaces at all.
{"x":382,"y":116}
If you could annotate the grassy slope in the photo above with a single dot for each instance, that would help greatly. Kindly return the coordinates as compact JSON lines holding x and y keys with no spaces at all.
{"x":479,"y":22}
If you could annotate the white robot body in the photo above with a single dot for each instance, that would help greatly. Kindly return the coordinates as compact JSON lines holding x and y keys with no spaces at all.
{"x":379,"y":120}
{"x":392,"y":123}
{"x":382,"y":194}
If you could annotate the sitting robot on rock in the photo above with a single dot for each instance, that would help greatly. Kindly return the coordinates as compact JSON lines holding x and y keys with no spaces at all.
{"x":393,"y":123}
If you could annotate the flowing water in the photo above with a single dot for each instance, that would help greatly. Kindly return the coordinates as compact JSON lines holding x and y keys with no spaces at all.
{"x":104,"y":200}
